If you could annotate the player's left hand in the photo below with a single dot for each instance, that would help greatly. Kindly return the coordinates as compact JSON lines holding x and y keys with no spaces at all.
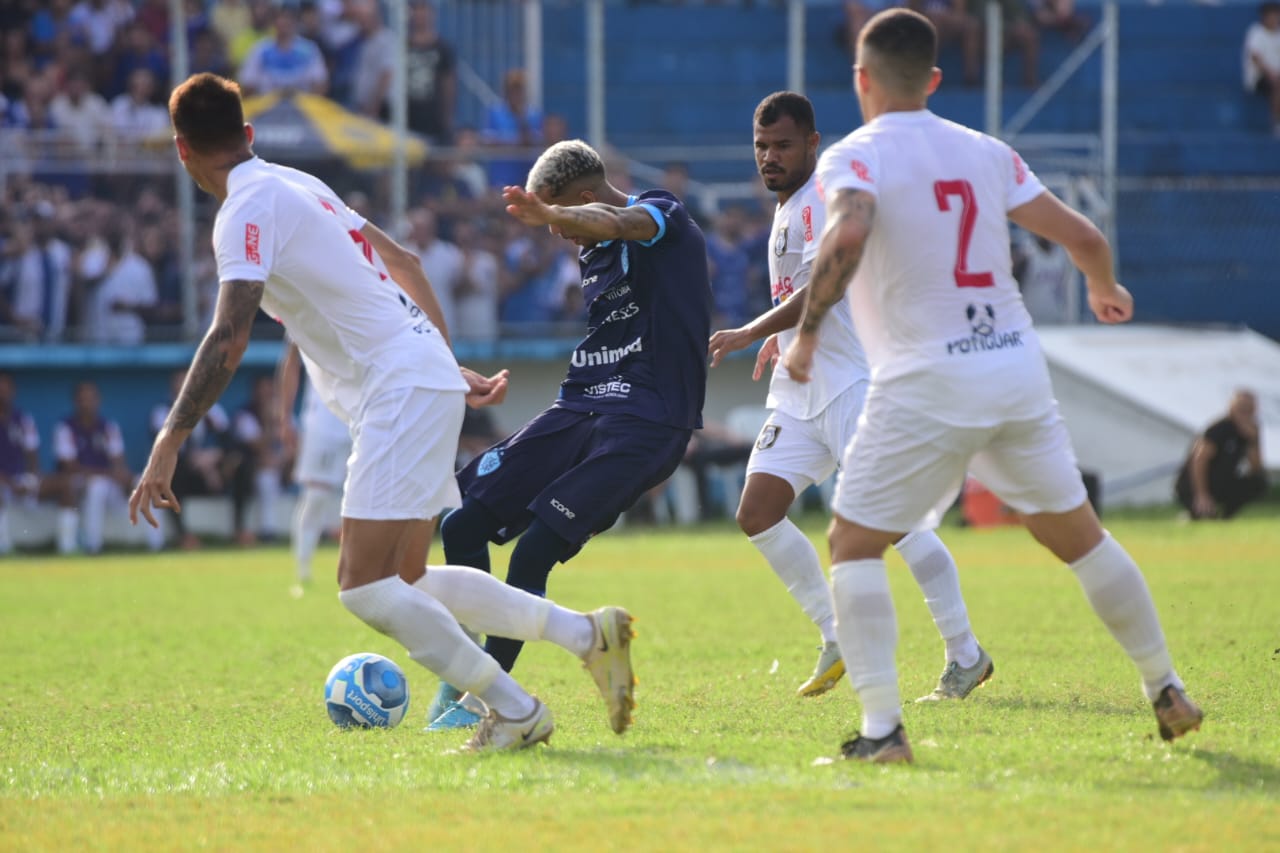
{"x":769,"y":354}
{"x":485,"y":390}
{"x":726,"y":341}
{"x":1112,"y":306}
{"x":799,"y":357}
{"x":155,"y":486}
{"x":526,"y":206}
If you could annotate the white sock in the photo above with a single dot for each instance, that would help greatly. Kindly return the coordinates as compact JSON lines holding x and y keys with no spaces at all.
{"x":934,"y":569}
{"x":6,"y":536}
{"x":507,"y":697}
{"x":68,"y":529}
{"x":570,"y":630}
{"x":868,"y":631}
{"x":267,"y":483}
{"x":93,"y":509}
{"x":795,"y":561}
{"x":426,"y":629}
{"x":485,"y":604}
{"x":1115,"y":587}
{"x":308,"y":525}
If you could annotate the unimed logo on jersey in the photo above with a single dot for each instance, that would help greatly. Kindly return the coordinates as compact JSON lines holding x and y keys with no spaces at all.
{"x":807,"y":216}
{"x":860,"y":169}
{"x":251,"y":243}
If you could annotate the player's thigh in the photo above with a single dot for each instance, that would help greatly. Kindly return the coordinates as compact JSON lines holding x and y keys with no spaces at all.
{"x":1031,"y":466}
{"x":507,"y":477}
{"x":625,"y":457}
{"x":900,"y":466}
{"x":404,"y":443}
{"x":374,"y":549}
{"x":793,"y":450}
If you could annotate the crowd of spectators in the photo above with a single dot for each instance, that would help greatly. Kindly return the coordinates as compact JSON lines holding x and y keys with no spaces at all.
{"x":89,"y":253}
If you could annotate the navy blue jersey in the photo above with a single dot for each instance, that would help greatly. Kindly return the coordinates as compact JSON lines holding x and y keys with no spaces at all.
{"x":648,"y":323}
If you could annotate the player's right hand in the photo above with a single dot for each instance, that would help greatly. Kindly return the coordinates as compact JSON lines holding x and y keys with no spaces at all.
{"x":769,"y":354}
{"x":799,"y":358}
{"x":726,"y":341}
{"x":485,"y":390}
{"x":155,"y":487}
{"x":1112,"y":305}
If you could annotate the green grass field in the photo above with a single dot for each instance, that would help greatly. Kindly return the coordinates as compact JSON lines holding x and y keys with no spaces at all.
{"x":173,"y":702}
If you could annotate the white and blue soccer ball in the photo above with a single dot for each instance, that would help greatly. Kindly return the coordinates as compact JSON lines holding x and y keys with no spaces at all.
{"x":366,"y":690}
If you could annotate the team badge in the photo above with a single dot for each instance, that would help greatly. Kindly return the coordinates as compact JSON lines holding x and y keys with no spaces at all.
{"x":489,"y":462}
{"x":982,"y":322}
{"x":780,"y":243}
{"x":768,"y":436}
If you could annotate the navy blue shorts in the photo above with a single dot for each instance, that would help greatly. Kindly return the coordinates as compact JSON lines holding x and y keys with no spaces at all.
{"x":577,"y":472}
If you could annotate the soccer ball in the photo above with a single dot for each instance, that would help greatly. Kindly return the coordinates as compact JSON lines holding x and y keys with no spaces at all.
{"x":366,"y":690}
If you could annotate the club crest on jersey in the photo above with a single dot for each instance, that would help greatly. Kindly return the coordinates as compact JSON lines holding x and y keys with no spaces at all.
{"x":768,"y":436}
{"x":780,"y":242}
{"x":983,"y":336}
{"x":489,"y":462}
{"x":981,"y":319}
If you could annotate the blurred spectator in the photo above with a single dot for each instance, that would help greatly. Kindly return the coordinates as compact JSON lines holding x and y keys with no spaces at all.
{"x":153,"y":15}
{"x":254,"y":463}
{"x":14,"y":14}
{"x":230,"y":20}
{"x":728,"y":263}
{"x":98,"y":21}
{"x":81,"y":114}
{"x":135,"y":117}
{"x":953,"y":22}
{"x":38,"y":276}
{"x":157,"y":242}
{"x":17,"y":65}
{"x":441,"y":260}
{"x":1262,"y":59}
{"x":475,"y":296}
{"x":513,"y":123}
{"x":534,"y":287}
{"x":1060,"y":15}
{"x":856,"y":15}
{"x":285,"y":61}
{"x":675,"y":180}
{"x":430,"y":76}
{"x":199,"y":466}
{"x":1224,"y":470}
{"x":127,"y":290}
{"x":375,"y":61}
{"x":207,"y":54}
{"x":90,"y":454}
{"x":20,"y":481}
{"x":1045,"y":274}
{"x":31,"y":111}
{"x":1019,"y":33}
{"x":262,"y":15}
{"x":138,"y":48}
{"x":49,"y":26}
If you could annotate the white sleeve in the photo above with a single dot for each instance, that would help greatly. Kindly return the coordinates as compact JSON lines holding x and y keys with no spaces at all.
{"x":244,"y":243}
{"x":1021,"y":184}
{"x":64,"y":443}
{"x":852,"y":164}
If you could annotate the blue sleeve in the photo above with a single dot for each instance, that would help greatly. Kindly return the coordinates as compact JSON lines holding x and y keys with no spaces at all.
{"x":665,"y":212}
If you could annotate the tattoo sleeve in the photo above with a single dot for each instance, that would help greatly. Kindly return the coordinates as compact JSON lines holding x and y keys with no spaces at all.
{"x":606,"y":222}
{"x":219,"y":353}
{"x":851,"y":215}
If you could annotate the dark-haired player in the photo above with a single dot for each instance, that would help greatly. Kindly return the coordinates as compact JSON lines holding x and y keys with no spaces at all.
{"x":634,"y":390}
{"x":917,"y":217}
{"x":812,"y":422}
{"x":368,"y":327}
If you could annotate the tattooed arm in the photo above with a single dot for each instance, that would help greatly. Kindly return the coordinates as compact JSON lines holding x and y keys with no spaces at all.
{"x":596,"y":222}
{"x":211,"y":369}
{"x":850,"y":216}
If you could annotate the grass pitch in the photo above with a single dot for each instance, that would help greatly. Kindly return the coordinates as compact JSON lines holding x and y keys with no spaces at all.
{"x":173,"y":702}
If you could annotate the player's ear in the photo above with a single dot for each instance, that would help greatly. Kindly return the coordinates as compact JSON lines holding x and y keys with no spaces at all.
{"x":248,"y":133}
{"x":935,"y":79}
{"x":587,"y":197}
{"x":184,"y":150}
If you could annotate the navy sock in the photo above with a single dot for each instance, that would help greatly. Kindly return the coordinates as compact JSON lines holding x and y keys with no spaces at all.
{"x":531,"y":562}
{"x":465,"y":534}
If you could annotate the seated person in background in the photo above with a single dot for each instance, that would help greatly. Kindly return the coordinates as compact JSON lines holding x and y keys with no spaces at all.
{"x":89,"y":450}
{"x":20,"y":481}
{"x":254,"y":463}
{"x":199,"y":470}
{"x":1262,"y":59}
{"x":1224,"y":470}
{"x":1060,"y":15}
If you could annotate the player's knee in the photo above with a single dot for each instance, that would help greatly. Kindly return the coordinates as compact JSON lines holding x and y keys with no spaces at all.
{"x":755,"y":519}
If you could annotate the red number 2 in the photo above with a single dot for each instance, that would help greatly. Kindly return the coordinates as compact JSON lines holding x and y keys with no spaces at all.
{"x":943,"y":190}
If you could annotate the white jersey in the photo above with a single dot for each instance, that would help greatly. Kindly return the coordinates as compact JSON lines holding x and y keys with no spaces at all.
{"x":358,"y":332}
{"x":317,"y":420}
{"x":839,"y":361}
{"x":934,"y":299}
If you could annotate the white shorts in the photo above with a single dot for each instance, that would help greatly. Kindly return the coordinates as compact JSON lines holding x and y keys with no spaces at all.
{"x":404,"y":442}
{"x":806,"y":452}
{"x":903,"y":465}
{"x":322,"y":457}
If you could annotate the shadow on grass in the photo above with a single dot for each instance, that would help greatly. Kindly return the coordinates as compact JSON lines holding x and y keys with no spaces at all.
{"x":1071,"y":703}
{"x":1235,"y":773}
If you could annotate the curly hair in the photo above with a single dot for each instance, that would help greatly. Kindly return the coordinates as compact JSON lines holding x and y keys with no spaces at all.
{"x":562,"y":164}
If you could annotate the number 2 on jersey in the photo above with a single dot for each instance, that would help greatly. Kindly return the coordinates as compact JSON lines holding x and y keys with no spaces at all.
{"x":942,"y":191}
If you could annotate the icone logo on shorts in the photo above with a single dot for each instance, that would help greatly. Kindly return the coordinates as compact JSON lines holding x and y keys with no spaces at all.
{"x":562,"y":509}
